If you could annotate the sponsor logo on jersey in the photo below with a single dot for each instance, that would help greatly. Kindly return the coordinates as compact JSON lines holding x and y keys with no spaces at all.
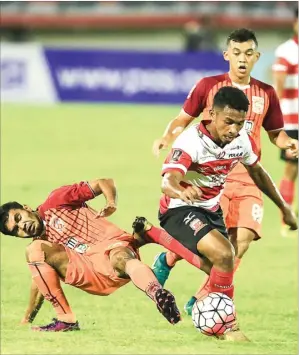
{"x":235,"y":155}
{"x":220,"y":167}
{"x":74,"y":244}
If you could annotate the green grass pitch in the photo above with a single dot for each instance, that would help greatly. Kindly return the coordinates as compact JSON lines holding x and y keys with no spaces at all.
{"x":43,"y":147}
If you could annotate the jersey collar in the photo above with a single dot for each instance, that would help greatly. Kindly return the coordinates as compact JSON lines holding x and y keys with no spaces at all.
{"x":239,"y":86}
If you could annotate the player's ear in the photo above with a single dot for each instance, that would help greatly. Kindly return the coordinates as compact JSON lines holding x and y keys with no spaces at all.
{"x":27,"y":208}
{"x":225,"y":55}
{"x":257,"y":56}
{"x":212,"y":114}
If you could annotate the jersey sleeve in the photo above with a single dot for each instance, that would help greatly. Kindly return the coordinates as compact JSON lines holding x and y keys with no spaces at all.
{"x":251,"y":155}
{"x":196,"y":99}
{"x":70,"y":196}
{"x":281,"y":63}
{"x":182,"y":153}
{"x":274,"y":118}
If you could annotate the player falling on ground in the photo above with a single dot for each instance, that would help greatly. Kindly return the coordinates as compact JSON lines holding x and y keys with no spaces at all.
{"x":285,"y":72}
{"x":194,"y":174}
{"x":241,"y":200}
{"x":77,"y":245}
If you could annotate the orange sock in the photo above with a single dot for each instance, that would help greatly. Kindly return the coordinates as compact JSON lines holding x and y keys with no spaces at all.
{"x":142,"y":277}
{"x":237,"y":263}
{"x":204,"y":289}
{"x":48,"y":283}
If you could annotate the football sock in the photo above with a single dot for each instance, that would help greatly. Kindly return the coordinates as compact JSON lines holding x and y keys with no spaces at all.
{"x":204,"y":289}
{"x":48,"y":283}
{"x":287,"y":190}
{"x":142,"y":277}
{"x":222,"y":282}
{"x":160,"y":236}
{"x":237,"y":263}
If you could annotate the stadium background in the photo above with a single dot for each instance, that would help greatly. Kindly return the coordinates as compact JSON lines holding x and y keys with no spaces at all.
{"x":46,"y":143}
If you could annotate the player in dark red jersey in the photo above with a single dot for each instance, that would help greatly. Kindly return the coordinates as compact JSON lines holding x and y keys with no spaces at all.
{"x":241,"y":200}
{"x":194,"y":175}
{"x":74,"y":243}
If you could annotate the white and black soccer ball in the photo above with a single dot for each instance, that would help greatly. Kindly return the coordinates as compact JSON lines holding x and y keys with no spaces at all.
{"x":214,"y":314}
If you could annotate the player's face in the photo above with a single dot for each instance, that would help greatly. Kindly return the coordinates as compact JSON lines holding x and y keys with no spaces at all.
{"x":228,"y":123}
{"x":241,"y":57}
{"x":23,"y":223}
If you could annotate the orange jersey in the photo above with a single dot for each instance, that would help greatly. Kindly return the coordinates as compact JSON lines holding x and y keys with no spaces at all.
{"x":264,"y":110}
{"x":70,"y":222}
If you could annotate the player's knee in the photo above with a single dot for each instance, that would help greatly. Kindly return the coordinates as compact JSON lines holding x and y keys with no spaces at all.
{"x":119,"y":258}
{"x":225,"y":257}
{"x":35,"y":251}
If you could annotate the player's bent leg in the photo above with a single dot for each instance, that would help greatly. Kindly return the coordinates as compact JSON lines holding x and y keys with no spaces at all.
{"x":241,"y":239}
{"x":204,"y":288}
{"x":177,"y":250}
{"x":221,"y":253}
{"x":124,"y":261}
{"x":287,"y":187}
{"x":47,"y":262}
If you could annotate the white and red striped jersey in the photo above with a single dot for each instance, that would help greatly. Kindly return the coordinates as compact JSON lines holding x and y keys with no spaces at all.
{"x":287,"y":62}
{"x":206,"y":165}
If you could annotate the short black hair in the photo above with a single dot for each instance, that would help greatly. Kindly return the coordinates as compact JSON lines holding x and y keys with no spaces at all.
{"x":4,"y":211}
{"x":242,"y":35}
{"x":231,"y":97}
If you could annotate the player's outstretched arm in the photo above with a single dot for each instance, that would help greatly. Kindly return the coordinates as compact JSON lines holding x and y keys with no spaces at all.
{"x":108,"y":189}
{"x":173,"y":129}
{"x":264,"y":182}
{"x":35,"y":302}
{"x":283,"y":141}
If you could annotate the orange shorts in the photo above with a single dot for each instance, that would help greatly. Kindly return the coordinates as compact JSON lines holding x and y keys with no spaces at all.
{"x":92,"y":271}
{"x":242,"y":206}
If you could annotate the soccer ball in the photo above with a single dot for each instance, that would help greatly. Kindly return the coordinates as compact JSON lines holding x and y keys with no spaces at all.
{"x":214,"y":314}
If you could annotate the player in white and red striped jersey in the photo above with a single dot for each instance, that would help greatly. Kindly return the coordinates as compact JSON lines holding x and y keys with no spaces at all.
{"x":241,"y":201}
{"x":194,"y":175}
{"x":285,"y":72}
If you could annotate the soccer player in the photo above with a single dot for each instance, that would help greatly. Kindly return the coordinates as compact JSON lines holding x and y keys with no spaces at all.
{"x":241,"y":200}
{"x":194,"y":174}
{"x":285,"y":72}
{"x":73,"y":243}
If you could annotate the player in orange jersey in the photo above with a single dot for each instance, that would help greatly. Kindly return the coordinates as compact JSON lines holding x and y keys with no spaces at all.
{"x":74,"y":243}
{"x":285,"y":70}
{"x":241,"y":200}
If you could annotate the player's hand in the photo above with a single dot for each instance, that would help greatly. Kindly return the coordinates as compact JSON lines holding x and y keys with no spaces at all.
{"x":290,"y":218}
{"x":107,"y":211}
{"x":161,"y":143}
{"x":191,"y":194}
{"x":292,"y":148}
{"x":25,"y":321}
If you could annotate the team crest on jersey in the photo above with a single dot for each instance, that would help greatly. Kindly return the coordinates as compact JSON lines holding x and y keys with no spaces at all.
{"x":176,"y":155}
{"x":56,"y":223}
{"x":258,"y":104}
